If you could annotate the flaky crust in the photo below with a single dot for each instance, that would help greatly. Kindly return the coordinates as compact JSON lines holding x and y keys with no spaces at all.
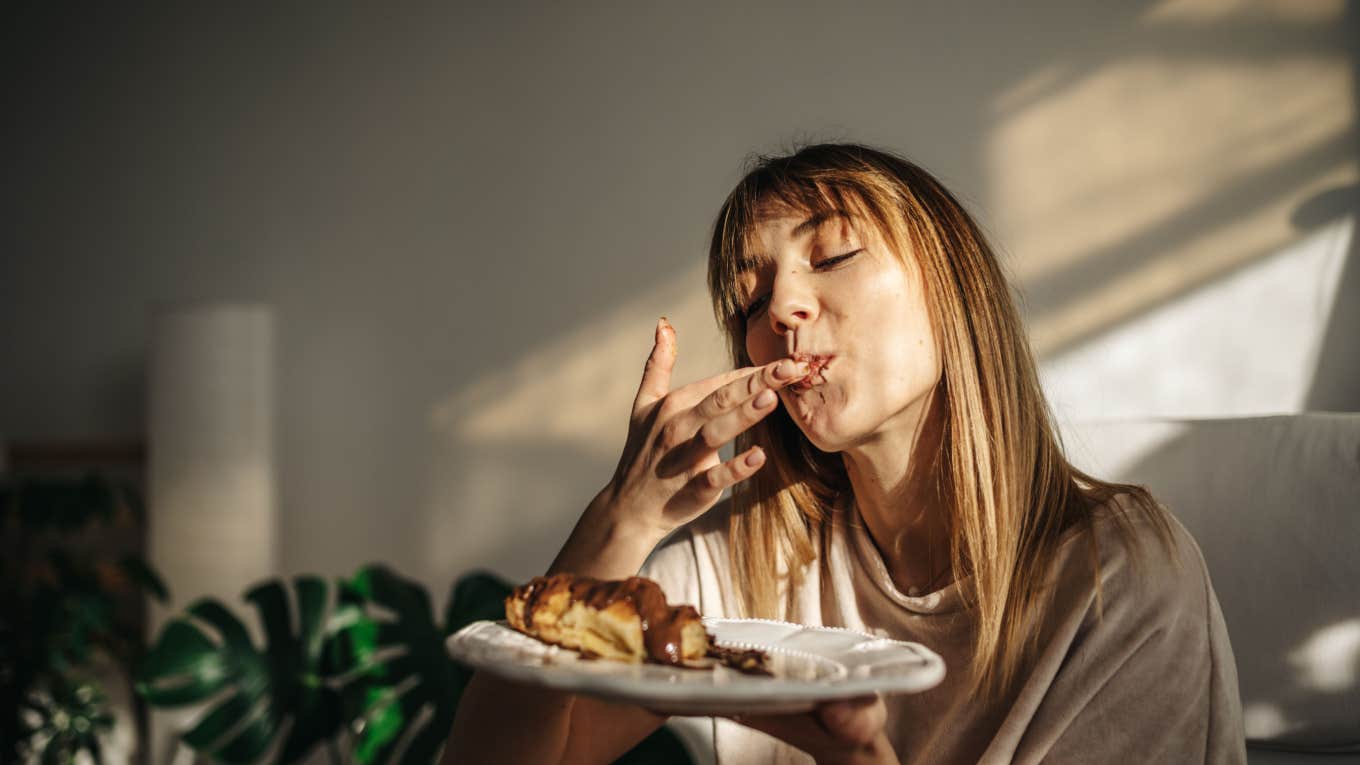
{"x":625,"y":620}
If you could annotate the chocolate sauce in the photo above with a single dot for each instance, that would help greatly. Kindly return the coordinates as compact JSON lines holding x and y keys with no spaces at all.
{"x":662,"y":625}
{"x":751,"y":661}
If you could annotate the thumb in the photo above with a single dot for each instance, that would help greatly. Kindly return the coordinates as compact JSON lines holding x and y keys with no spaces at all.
{"x":656,"y":376}
{"x":854,"y":721}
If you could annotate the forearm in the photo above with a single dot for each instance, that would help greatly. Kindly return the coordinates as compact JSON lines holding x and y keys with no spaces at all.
{"x":499,"y":721}
{"x":502,"y":722}
{"x":605,"y":544}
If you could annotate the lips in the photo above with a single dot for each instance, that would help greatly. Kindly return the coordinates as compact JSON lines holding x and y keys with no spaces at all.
{"x":819,"y":362}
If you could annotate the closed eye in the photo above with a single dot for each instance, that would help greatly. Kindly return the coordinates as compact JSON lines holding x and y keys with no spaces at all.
{"x":837,"y":259}
{"x":758,"y":304}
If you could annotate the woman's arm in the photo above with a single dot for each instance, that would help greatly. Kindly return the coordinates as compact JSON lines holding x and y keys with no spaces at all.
{"x":669,"y":474}
{"x":505,"y":723}
{"x":501,"y":722}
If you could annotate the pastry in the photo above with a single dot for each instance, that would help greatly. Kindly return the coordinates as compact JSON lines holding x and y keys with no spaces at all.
{"x":625,"y":620}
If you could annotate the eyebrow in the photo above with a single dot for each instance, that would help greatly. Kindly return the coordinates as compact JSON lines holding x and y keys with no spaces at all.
{"x":801,"y":230}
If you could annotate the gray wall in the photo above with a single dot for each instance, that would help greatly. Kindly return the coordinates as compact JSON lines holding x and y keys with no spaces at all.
{"x":467,"y":220}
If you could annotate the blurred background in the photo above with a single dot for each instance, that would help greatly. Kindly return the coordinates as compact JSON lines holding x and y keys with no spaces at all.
{"x":431,"y":241}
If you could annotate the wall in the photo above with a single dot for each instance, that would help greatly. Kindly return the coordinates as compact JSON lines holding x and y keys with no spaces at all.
{"x":467,"y":221}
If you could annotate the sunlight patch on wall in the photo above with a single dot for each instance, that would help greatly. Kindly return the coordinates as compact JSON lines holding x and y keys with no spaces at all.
{"x":1087,"y":448}
{"x":577,"y":389}
{"x":1121,"y":185}
{"x":1200,"y":258}
{"x":1213,"y":10}
{"x":505,"y":446}
{"x":1244,"y":344}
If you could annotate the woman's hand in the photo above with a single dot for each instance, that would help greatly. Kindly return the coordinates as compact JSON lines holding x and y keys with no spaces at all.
{"x":837,"y":733}
{"x":670,"y":472}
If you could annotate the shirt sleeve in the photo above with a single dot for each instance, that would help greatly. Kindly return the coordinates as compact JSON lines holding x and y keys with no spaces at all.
{"x":1149,"y":674}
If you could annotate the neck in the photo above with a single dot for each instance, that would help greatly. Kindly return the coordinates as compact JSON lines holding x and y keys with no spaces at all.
{"x":895,"y":478}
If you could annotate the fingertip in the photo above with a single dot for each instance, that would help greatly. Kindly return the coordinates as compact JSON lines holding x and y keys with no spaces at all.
{"x":855,"y":719}
{"x":755,"y":457}
{"x":665,"y":334}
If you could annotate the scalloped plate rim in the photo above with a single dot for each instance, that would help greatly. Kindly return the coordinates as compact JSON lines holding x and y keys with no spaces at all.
{"x":758,"y":694}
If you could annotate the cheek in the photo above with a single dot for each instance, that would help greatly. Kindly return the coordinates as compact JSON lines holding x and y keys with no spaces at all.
{"x":907,"y":343}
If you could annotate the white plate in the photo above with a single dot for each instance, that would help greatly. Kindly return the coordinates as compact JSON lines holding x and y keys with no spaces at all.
{"x":810,"y":665}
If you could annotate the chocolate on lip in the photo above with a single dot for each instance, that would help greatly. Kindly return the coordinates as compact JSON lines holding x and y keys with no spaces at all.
{"x":817,"y":362}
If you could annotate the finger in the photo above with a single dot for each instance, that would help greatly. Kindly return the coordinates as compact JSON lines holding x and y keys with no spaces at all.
{"x":656,"y":376}
{"x":711,"y":482}
{"x":695,"y":437}
{"x":836,"y":726}
{"x":854,"y":721}
{"x":732,"y":395}
{"x":721,"y":429}
{"x":688,"y":396}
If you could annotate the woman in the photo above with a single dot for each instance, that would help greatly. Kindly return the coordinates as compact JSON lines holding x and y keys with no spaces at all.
{"x":915,"y":489}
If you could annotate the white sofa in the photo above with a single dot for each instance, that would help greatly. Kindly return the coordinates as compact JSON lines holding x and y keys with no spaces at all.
{"x":1274,"y":503}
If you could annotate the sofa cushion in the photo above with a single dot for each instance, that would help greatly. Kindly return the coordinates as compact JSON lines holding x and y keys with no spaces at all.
{"x":1274,"y":503}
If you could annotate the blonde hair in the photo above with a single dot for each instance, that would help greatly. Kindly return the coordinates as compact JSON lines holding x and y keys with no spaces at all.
{"x":1008,"y":489}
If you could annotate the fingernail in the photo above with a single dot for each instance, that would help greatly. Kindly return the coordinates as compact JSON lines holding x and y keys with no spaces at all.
{"x":789,"y":369}
{"x":755,"y":458}
{"x":662,"y":325}
{"x":765,"y":398}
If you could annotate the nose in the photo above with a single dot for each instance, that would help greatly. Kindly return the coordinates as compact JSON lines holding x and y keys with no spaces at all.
{"x":792,"y":305}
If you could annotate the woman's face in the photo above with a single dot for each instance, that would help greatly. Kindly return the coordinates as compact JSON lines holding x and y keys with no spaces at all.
{"x":842,"y":299}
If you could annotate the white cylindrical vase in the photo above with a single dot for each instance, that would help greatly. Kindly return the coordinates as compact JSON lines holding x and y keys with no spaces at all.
{"x":212,"y":527}
{"x":212,"y":521}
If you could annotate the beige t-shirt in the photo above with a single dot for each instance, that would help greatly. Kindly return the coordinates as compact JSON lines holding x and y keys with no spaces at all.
{"x":1151,"y":680}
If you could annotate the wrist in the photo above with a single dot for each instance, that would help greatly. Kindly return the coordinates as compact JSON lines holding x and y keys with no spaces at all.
{"x":608,"y":542}
{"x":625,"y":521}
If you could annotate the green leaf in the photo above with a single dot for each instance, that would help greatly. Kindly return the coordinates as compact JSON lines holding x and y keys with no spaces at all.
{"x":383,"y":722}
{"x":216,"y":723}
{"x":388,"y":696}
{"x":183,"y":667}
{"x":478,"y":595}
{"x":139,"y":572}
{"x":270,"y":686}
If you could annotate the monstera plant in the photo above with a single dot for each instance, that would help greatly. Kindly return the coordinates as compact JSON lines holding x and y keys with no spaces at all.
{"x":364,"y":673}
{"x":70,"y":621}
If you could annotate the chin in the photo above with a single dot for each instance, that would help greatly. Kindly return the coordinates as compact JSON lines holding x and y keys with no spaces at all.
{"x":815,"y":412}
